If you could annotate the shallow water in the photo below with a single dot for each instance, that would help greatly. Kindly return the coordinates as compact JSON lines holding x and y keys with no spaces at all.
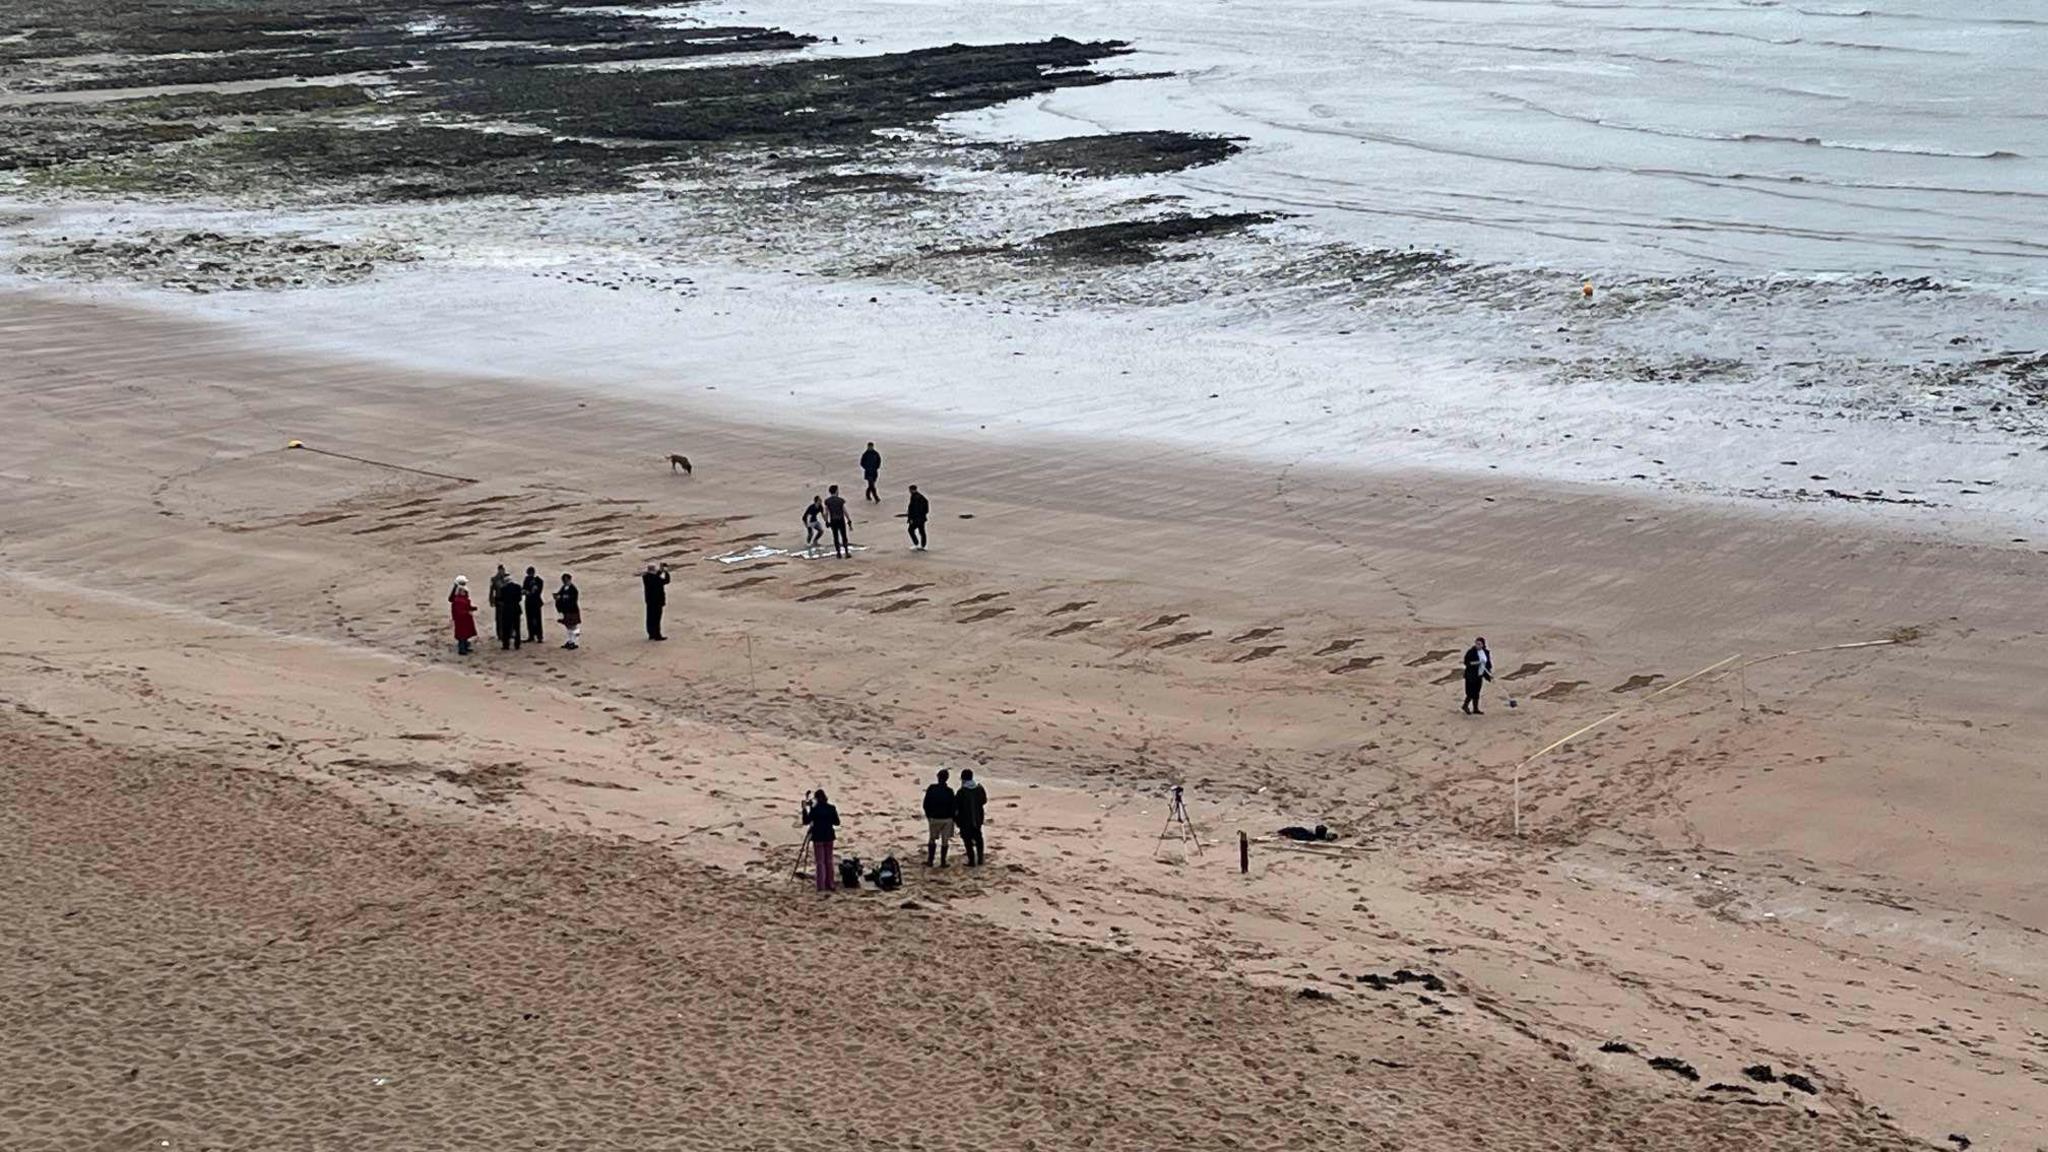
{"x":1900,"y":138}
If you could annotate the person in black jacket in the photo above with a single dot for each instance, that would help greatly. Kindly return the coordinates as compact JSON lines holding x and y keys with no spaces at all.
{"x":920,"y":511}
{"x":505,"y":607}
{"x":531,"y":590}
{"x":938,"y":813}
{"x":569,"y":606}
{"x":837,"y":520}
{"x":823,"y":819}
{"x":1478,"y":668}
{"x":654,"y":582}
{"x":969,"y":807}
{"x":871,"y":468}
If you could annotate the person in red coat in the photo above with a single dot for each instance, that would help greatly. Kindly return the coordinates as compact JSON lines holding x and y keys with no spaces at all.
{"x":464,"y":613}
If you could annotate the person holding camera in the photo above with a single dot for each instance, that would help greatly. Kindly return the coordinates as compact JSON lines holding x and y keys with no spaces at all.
{"x":823,"y":819}
{"x":654,"y":582}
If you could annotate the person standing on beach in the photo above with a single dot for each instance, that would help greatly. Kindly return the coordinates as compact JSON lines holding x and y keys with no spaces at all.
{"x":871,"y":469}
{"x":823,"y":819}
{"x":530,"y":591}
{"x":505,"y":608}
{"x":837,"y":519}
{"x":567,"y":607}
{"x":970,"y":806}
{"x":654,"y":582}
{"x":920,"y":510}
{"x":814,"y":523}
{"x":464,"y":614}
{"x":1478,"y":668}
{"x":938,"y":814}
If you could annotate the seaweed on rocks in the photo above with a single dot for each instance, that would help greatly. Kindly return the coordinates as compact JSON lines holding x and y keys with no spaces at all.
{"x":1119,"y":153}
{"x":1131,"y":241}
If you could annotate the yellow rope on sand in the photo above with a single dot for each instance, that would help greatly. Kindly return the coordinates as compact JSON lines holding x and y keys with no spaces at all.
{"x":1903,"y":636}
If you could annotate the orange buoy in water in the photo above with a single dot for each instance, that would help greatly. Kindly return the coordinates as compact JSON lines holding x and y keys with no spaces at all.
{"x":1586,"y":289}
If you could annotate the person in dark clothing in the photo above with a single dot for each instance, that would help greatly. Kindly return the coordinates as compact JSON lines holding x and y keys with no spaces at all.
{"x":938,"y":813}
{"x":871,"y":469}
{"x":1478,"y":668}
{"x":823,"y":819}
{"x":569,"y":607}
{"x":505,"y":608}
{"x":920,"y":510}
{"x":970,"y":806}
{"x":654,"y":582}
{"x":814,"y":523}
{"x":837,"y":520}
{"x":530,"y":590}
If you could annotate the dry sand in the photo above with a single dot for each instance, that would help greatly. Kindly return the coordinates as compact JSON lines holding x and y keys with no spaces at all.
{"x":274,"y":841}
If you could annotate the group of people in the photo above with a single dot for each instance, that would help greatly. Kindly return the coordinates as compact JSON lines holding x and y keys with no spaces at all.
{"x":828,"y":512}
{"x":946,"y":811}
{"x":515,"y":603}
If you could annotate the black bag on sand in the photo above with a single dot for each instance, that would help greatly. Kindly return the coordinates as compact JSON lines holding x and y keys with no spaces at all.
{"x":887,"y":875}
{"x":849,"y":872}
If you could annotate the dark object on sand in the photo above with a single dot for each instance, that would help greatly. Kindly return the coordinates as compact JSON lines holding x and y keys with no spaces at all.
{"x":1313,"y":994}
{"x":1618,"y":1047}
{"x":1674,"y":1065}
{"x":1297,"y":832}
{"x":849,"y":872}
{"x":1959,"y":1140}
{"x":1739,"y":1089}
{"x":887,"y":876}
{"x":1761,"y":1073}
{"x":1795,"y":1080}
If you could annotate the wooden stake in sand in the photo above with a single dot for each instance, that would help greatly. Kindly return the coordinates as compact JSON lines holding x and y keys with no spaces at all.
{"x":1903,"y":636}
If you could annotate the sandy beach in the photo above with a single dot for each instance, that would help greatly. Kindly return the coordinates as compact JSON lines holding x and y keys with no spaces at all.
{"x":286,"y":869}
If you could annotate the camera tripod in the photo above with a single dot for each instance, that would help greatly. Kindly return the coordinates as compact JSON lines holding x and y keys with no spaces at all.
{"x":1178,"y":824}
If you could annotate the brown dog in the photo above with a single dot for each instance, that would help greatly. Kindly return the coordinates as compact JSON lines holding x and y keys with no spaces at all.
{"x":678,"y":463}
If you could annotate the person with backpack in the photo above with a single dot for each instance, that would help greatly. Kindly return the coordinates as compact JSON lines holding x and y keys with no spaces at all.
{"x":569,"y":608}
{"x":823,"y":820}
{"x":938,"y":815}
{"x":970,"y":807}
{"x":920,"y":511}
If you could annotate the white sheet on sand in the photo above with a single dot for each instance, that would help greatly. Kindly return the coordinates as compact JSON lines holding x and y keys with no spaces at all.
{"x":757,"y":552}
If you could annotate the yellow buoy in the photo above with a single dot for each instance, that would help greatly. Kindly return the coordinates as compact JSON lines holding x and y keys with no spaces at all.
{"x":1586,"y":289}
{"x":293,"y":444}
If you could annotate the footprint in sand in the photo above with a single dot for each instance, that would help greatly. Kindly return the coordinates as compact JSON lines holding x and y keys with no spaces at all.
{"x":834,"y":578}
{"x":1259,"y":653}
{"x":763,"y":565}
{"x":827,"y":594}
{"x":1356,"y":663}
{"x":983,"y":598}
{"x":1527,"y":670}
{"x":1446,"y":678}
{"x":1076,"y":626}
{"x":594,"y":557}
{"x":1164,"y":622}
{"x":901,"y":589}
{"x":1336,"y":646}
{"x":1431,"y":657}
{"x":899,"y":605}
{"x":1639,"y":680}
{"x":1070,"y":606}
{"x":749,"y":582}
{"x":1254,"y":634}
{"x":1559,"y":690}
{"x":985,"y":614}
{"x":1179,"y":638}
{"x":753,"y":537}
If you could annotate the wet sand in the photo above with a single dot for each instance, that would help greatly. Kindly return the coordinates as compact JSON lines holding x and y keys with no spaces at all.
{"x":1826,"y":862}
